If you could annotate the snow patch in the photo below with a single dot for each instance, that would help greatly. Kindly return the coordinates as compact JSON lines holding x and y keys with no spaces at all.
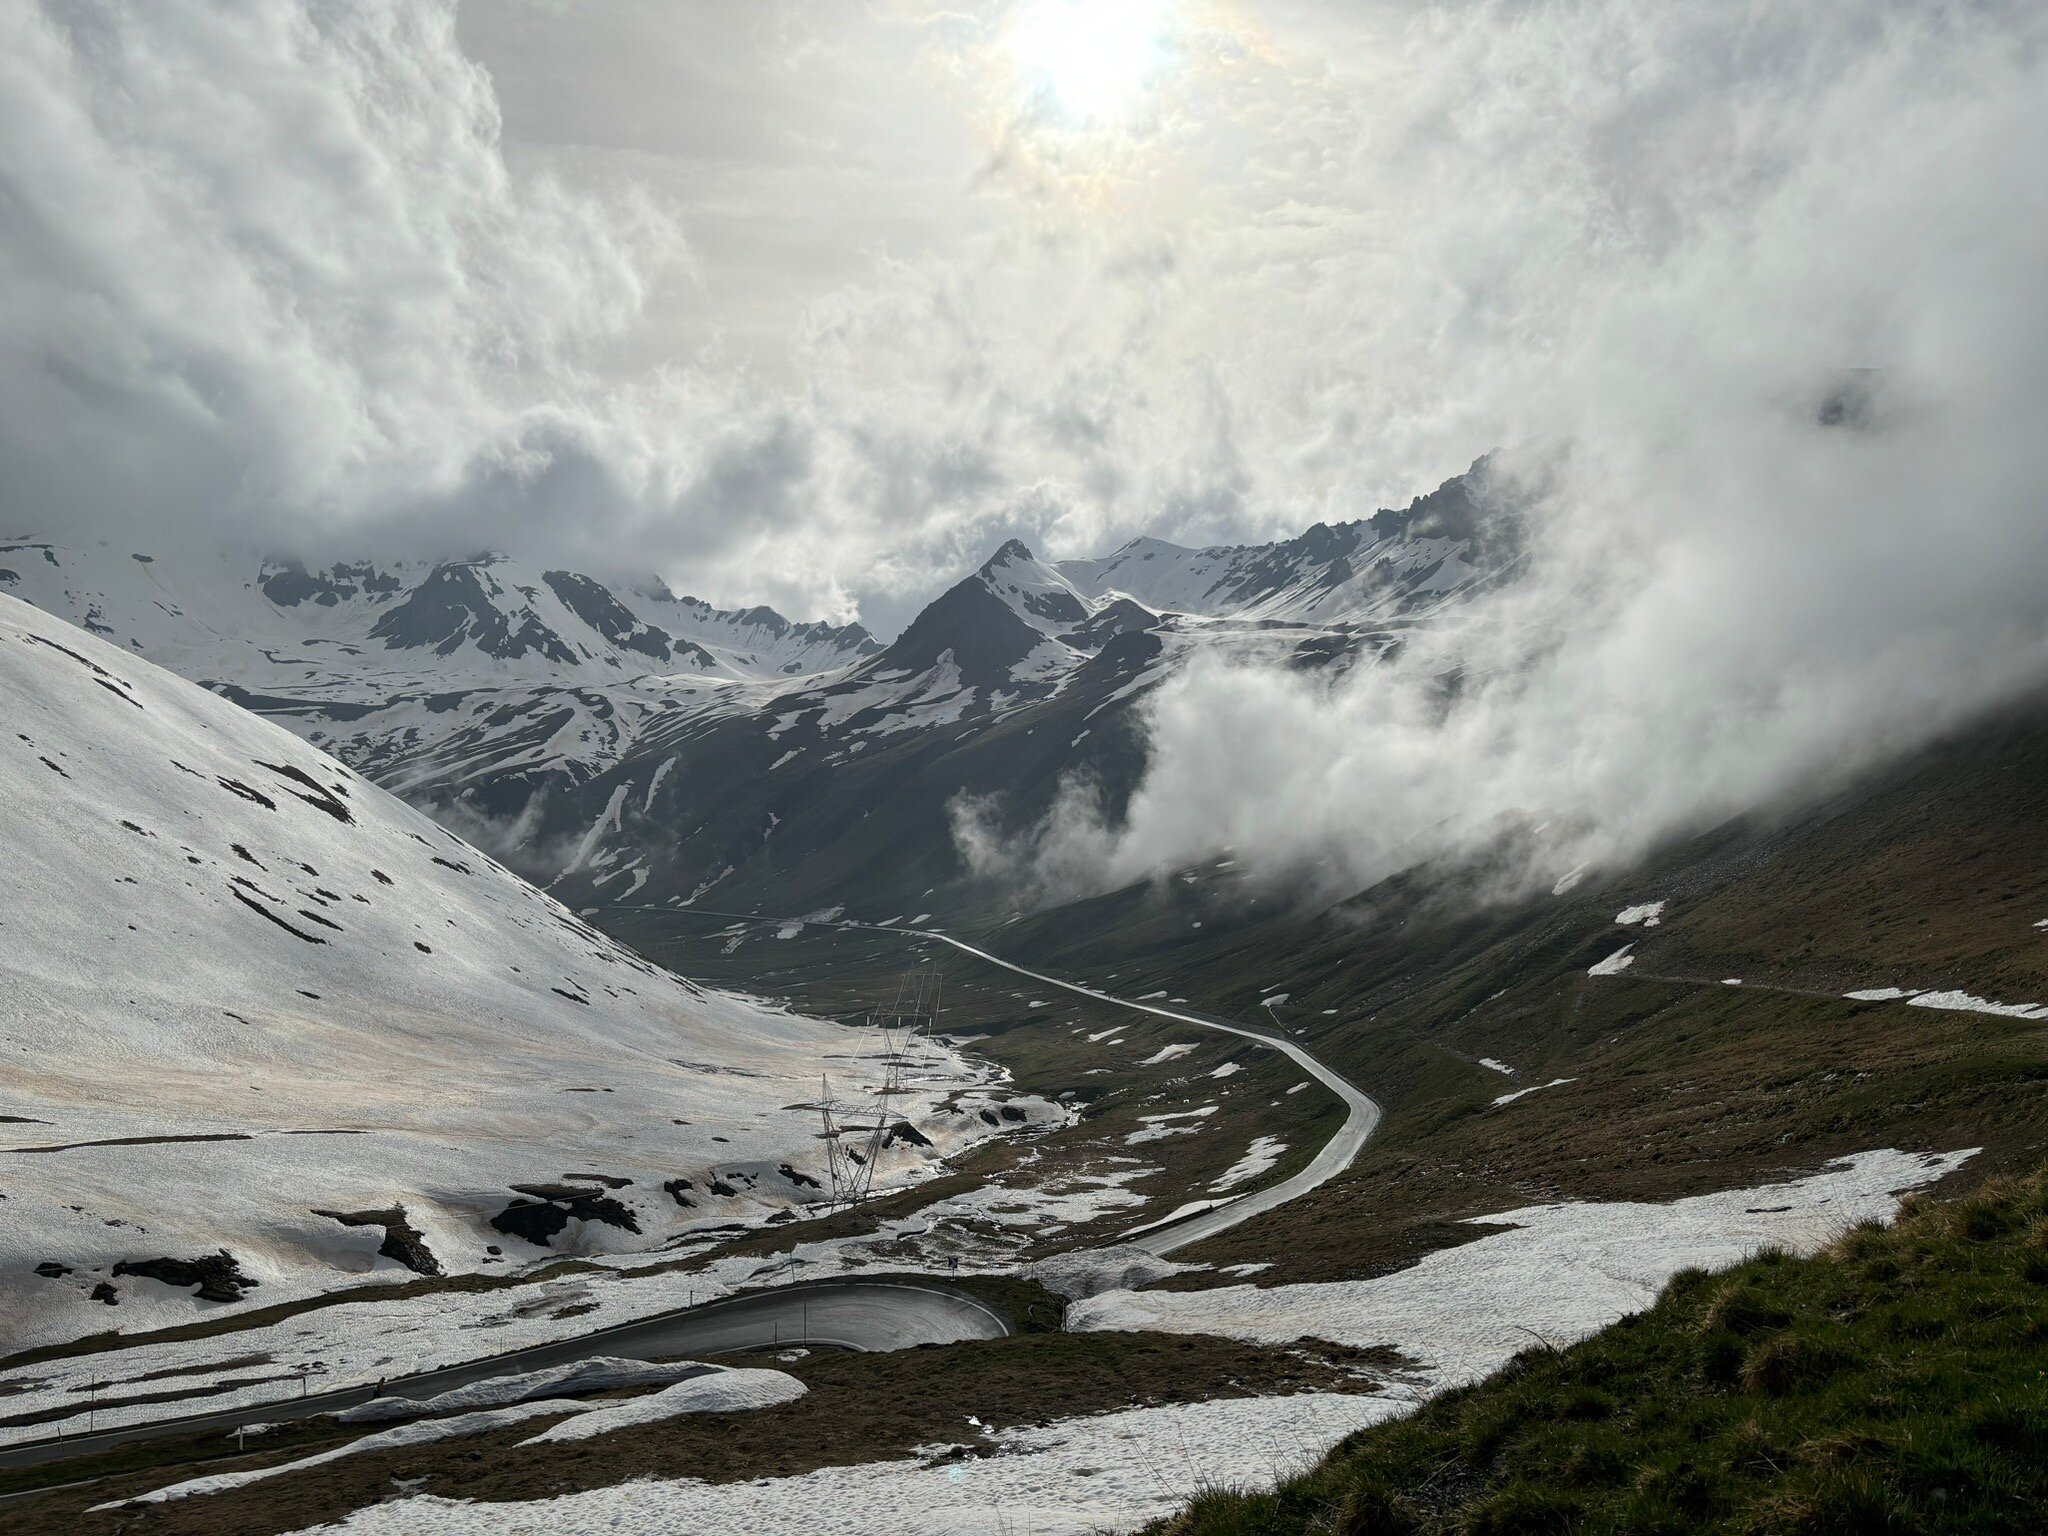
{"x":1950,"y":1002}
{"x":1260,"y":1157}
{"x":1614,"y":964}
{"x":598,"y":1374}
{"x":1091,"y":1271}
{"x":1963,"y":1002}
{"x":733,"y":1391}
{"x":654,"y":784}
{"x":1523,"y":1093}
{"x":1159,"y":1127}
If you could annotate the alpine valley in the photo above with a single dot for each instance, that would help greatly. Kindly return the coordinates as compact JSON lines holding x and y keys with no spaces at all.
{"x":308,"y":1084}
{"x":1382,"y":869}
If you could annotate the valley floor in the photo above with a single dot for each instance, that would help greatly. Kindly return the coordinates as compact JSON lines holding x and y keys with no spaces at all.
{"x":1168,"y":1375}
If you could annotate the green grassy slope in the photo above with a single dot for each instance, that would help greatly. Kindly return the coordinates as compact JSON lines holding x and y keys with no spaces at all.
{"x":1931,"y":873}
{"x":1897,"y":1383}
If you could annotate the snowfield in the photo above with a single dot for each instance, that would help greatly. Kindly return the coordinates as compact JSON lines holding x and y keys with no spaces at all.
{"x":1559,"y":1273}
{"x":1078,"y":1477}
{"x":253,"y":1006}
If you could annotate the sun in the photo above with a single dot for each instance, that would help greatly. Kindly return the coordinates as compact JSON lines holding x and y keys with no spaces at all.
{"x":1091,"y":59}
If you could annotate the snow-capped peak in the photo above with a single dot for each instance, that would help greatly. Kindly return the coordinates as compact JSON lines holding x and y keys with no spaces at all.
{"x":1402,"y":562}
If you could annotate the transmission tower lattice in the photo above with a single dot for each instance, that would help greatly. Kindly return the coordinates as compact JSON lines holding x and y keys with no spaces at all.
{"x":907,"y":1020}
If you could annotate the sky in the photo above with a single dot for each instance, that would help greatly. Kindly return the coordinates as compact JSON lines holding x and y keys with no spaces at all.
{"x":806,"y":301}
{"x":816,"y":302}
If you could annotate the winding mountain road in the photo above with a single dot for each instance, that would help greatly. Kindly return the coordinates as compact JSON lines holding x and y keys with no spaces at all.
{"x":1186,"y":1228}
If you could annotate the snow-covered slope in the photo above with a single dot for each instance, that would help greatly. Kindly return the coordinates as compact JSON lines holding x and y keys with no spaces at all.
{"x":251,"y":1003}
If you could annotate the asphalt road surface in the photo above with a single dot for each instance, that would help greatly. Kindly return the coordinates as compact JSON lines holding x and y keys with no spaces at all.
{"x":1337,"y":1154}
{"x":864,"y":1315}
{"x":1190,"y":1226}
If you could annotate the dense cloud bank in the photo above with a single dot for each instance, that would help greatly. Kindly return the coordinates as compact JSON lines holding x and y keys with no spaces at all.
{"x":1756,"y":570}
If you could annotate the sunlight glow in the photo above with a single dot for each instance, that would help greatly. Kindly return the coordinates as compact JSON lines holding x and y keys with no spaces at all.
{"x":1093,"y":58}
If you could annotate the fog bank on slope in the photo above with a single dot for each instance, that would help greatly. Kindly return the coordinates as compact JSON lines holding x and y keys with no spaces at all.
{"x":1798,"y":344}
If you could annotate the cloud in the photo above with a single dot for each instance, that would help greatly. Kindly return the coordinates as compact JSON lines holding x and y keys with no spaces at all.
{"x":268,"y":272}
{"x":282,"y":272}
{"x":298,"y":271}
{"x":264,"y":263}
{"x":1659,"y":235}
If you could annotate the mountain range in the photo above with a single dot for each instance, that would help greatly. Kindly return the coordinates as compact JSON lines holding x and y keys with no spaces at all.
{"x":623,"y":745}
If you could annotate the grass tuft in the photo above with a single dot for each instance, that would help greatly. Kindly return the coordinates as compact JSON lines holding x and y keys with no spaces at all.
{"x":1370,"y":1510}
{"x":1791,"y":1362}
{"x":1741,"y":1307}
{"x":1523,"y":1509}
{"x":1850,"y":1501}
